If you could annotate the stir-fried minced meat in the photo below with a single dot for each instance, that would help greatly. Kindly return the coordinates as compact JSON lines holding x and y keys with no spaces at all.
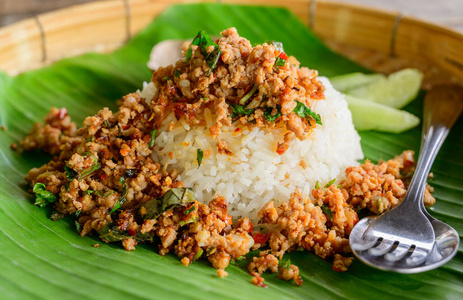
{"x":247,"y":79}
{"x":383,"y":186}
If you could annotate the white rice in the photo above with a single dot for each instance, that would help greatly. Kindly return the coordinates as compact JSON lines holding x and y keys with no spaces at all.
{"x":256,"y":174}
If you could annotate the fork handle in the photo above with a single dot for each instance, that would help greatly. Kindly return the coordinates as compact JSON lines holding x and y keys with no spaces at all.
{"x":442,"y":107}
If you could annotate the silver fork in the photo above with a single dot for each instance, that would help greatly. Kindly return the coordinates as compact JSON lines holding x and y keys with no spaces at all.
{"x":403,"y":238}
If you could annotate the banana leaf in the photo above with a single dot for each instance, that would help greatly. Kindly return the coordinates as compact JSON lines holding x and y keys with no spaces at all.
{"x":41,"y":258}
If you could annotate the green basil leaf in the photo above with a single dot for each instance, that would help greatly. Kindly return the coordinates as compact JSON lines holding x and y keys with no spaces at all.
{"x":42,"y":195}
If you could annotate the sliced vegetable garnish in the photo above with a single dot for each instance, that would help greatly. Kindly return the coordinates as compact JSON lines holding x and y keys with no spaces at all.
{"x":346,"y":82}
{"x":326,"y":210}
{"x":177,"y":73}
{"x":153,"y":133}
{"x":327,"y":185}
{"x":204,"y":41}
{"x":249,"y":94}
{"x":198,"y":255}
{"x":305,"y":112}
{"x":42,"y":195}
{"x":397,"y":90}
{"x":199,"y":156}
{"x":368,"y":115}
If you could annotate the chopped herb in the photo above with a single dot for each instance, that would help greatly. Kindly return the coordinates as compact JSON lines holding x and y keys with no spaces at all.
{"x":128,"y":173}
{"x":42,"y":195}
{"x":339,"y":186}
{"x":329,"y":183}
{"x":327,"y":211}
{"x":379,"y":204}
{"x":280,"y":62}
{"x":89,"y":171}
{"x":111,"y":233}
{"x":240,"y":258}
{"x":177,"y":73}
{"x":191,"y":220}
{"x":177,"y":196}
{"x":268,"y":113}
{"x":172,"y":198}
{"x":317,"y":185}
{"x":191,"y":209}
{"x":198,"y":255}
{"x":239,"y":110}
{"x":166,"y":78}
{"x":204,"y":41}
{"x":77,"y":213}
{"x":303,"y":111}
{"x":286,"y":264}
{"x":70,"y":173}
{"x":89,"y":192}
{"x":78,"y":227}
{"x":106,"y":123}
{"x":199,"y":156}
{"x":249,"y":94}
{"x":153,"y":133}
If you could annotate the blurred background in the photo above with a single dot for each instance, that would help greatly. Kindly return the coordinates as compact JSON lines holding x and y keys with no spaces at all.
{"x":443,"y":12}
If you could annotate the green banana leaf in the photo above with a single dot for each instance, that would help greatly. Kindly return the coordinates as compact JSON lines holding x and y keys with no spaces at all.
{"x":41,"y":258}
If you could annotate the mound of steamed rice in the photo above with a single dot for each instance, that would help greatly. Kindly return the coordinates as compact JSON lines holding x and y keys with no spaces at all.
{"x":254,"y":173}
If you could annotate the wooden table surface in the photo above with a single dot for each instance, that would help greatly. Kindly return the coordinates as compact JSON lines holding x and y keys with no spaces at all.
{"x":448,"y":13}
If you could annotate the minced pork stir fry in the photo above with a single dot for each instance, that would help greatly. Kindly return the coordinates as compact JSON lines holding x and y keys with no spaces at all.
{"x":102,"y":174}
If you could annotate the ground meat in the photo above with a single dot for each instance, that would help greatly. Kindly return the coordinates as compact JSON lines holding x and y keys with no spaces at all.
{"x":48,"y":136}
{"x":340,"y":263}
{"x":290,"y":272}
{"x":244,"y":77}
{"x":222,"y":273}
{"x":383,"y":186}
{"x":264,"y":262}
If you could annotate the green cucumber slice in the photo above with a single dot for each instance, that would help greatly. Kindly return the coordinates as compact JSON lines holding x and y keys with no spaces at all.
{"x":369,"y":115}
{"x":346,"y":82}
{"x":397,"y":90}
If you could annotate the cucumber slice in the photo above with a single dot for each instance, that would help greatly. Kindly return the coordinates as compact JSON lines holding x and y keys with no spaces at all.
{"x":369,"y":115}
{"x":397,"y":90}
{"x":346,"y":82}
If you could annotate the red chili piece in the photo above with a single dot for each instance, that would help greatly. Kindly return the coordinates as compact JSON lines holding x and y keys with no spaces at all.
{"x":283,"y":55}
{"x":260,"y":238}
